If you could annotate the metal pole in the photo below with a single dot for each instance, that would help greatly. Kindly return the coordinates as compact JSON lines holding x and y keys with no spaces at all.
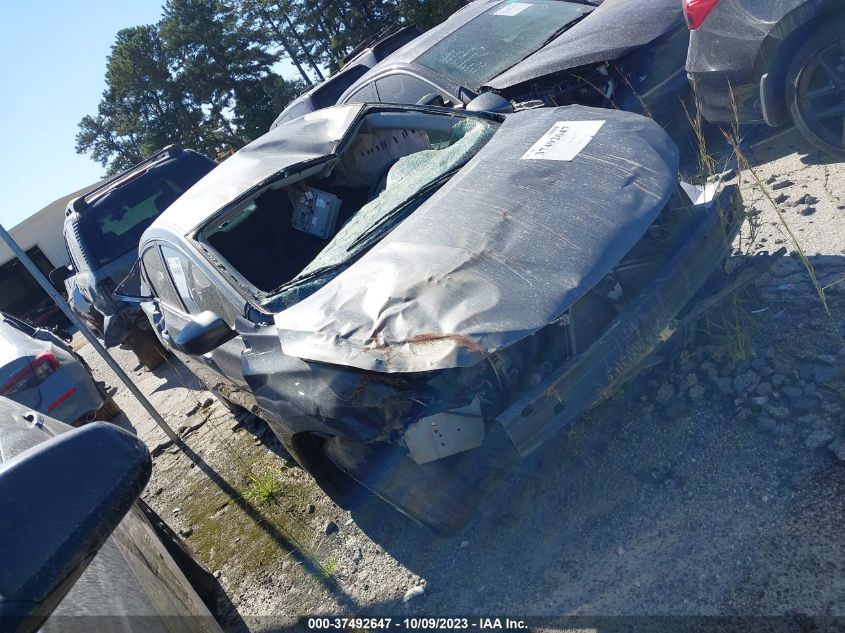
{"x":63,"y":305}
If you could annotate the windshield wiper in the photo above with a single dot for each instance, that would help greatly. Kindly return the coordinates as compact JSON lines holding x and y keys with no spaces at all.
{"x":551,"y":38}
{"x":366,"y":236}
{"x":434,"y":184}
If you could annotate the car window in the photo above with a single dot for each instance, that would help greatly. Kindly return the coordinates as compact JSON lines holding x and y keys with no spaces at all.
{"x":195,"y":289}
{"x":408,"y":184}
{"x":330,"y":91}
{"x":498,"y":39}
{"x":364,"y":94}
{"x":113,"y":224}
{"x":158,"y":278}
{"x":295,"y":112}
{"x":402,"y":88}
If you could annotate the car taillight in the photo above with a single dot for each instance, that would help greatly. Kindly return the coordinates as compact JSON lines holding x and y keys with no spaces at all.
{"x":696,"y":11}
{"x":31,"y":374}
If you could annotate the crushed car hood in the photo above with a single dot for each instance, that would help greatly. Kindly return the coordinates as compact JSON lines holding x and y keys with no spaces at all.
{"x":611,"y":31}
{"x":309,"y":138}
{"x":501,"y":250}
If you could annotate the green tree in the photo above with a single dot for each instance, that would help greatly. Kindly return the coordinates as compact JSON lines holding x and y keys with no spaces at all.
{"x":217,"y":55}
{"x":141,"y":108}
{"x":274,"y":18}
{"x":203,"y":76}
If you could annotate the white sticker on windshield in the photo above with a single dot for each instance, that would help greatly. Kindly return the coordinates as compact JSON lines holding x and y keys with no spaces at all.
{"x":512,"y":8}
{"x":175,"y":266}
{"x":564,"y":141}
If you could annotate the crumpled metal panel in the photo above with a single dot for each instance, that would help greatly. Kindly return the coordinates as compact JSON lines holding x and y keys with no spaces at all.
{"x":311,"y":137}
{"x":613,"y":30}
{"x":406,"y":178}
{"x":302,"y":396}
{"x":501,"y":250}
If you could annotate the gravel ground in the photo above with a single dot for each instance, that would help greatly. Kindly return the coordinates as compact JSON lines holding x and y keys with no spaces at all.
{"x":715,"y":486}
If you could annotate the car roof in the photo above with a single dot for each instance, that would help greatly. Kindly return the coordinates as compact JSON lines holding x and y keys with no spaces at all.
{"x":307,"y":138}
{"x":125,"y":177}
{"x":355,"y":65}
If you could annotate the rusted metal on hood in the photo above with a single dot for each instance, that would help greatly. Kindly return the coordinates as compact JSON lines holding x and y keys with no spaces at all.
{"x":413,"y":345}
{"x":501,"y":250}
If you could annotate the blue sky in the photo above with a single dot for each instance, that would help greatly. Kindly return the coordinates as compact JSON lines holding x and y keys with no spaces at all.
{"x":52,"y":67}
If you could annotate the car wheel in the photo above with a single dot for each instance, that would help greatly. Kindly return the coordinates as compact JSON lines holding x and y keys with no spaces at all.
{"x":815,"y":88}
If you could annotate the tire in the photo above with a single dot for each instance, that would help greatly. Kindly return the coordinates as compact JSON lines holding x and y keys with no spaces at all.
{"x":815,"y":88}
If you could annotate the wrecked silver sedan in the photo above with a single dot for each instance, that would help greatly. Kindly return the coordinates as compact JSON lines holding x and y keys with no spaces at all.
{"x":410,"y":296}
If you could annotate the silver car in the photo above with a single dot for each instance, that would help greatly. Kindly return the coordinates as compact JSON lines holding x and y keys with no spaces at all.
{"x":412,"y":296}
{"x":41,"y":372}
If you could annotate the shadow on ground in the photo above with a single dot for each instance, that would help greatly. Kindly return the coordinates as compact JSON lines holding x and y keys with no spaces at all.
{"x":691,"y":492}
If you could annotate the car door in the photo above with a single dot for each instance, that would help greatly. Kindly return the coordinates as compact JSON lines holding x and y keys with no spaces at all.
{"x":181,"y":290}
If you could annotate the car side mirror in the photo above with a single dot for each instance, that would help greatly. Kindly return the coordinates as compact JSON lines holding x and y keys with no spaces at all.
{"x":58,"y":275}
{"x":203,"y":333}
{"x":59,"y":502}
{"x":490,"y":102}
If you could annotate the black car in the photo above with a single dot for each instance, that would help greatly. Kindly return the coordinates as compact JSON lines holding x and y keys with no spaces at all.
{"x":613,"y":53}
{"x":79,"y":550}
{"x":355,"y":65}
{"x":777,"y":61}
{"x":101,"y":232}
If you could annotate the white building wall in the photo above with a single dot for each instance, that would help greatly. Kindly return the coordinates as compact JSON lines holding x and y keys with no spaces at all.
{"x":44,"y":230}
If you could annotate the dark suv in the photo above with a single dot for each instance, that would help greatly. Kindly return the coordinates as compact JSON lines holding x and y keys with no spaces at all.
{"x":101,"y":233}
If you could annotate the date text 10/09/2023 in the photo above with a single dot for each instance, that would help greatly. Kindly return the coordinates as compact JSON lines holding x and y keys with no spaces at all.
{"x":415,"y":623}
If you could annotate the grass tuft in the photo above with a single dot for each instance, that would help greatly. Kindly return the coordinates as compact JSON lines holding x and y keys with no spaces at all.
{"x":265,"y":488}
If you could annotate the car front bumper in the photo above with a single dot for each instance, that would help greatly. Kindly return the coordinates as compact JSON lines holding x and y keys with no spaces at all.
{"x":440,"y":493}
{"x":667,"y":306}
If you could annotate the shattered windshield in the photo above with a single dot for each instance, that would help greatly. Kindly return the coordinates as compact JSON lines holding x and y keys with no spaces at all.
{"x":497,"y":39}
{"x":409,"y":182}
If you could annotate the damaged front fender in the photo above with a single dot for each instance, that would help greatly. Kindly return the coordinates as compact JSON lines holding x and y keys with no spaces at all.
{"x":331,"y":400}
